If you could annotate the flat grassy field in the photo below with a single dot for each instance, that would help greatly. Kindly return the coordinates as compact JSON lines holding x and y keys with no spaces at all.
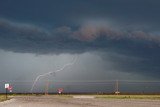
{"x":150,"y":97}
{"x":153,"y":97}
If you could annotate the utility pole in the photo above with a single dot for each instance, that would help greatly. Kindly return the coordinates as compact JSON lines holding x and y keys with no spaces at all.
{"x":6,"y":93}
{"x":117,"y":88}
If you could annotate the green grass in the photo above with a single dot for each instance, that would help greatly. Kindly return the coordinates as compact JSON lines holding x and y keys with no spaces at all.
{"x":153,"y":97}
{"x":3,"y":98}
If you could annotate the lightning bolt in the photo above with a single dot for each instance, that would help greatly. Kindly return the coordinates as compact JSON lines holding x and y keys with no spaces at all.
{"x":53,"y":72}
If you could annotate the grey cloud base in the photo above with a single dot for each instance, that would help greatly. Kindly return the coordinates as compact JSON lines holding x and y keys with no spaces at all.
{"x":27,"y":38}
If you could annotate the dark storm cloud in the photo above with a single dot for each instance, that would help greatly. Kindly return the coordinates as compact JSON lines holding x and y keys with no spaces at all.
{"x":20,"y":37}
{"x":60,"y":12}
{"x":123,"y":34}
{"x":131,"y":51}
{"x":129,"y":28}
{"x":144,"y":62}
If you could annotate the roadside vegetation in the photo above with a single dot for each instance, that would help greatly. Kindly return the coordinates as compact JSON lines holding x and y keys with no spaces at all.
{"x":149,"y":97}
{"x":2,"y":98}
{"x":152,"y":97}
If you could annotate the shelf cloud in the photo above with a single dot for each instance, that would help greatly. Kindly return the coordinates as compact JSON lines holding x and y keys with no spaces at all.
{"x":29,"y":38}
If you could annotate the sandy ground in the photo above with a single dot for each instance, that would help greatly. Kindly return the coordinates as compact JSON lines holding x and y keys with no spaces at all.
{"x":61,"y":101}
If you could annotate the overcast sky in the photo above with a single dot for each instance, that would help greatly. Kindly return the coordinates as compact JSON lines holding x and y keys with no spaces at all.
{"x":110,"y":39}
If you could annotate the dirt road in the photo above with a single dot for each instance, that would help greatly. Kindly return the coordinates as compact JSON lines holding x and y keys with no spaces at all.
{"x":61,"y":101}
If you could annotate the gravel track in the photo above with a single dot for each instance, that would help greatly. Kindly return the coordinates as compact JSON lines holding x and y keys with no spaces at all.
{"x":61,"y":101}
